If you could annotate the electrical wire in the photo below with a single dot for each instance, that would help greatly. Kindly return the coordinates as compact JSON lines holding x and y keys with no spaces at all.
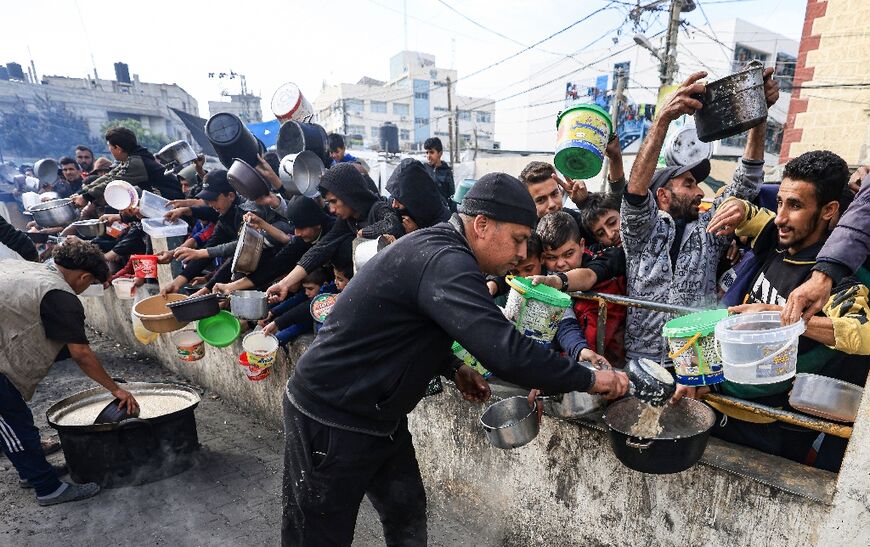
{"x":704,"y":13}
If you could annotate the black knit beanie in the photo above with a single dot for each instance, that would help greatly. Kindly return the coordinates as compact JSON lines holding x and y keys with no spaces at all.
{"x":501,"y":197}
{"x":304,"y":212}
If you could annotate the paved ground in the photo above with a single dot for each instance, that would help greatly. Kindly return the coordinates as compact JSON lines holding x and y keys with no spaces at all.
{"x":230,"y":497}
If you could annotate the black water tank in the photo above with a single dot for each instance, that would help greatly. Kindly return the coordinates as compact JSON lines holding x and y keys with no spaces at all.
{"x":15,"y":72}
{"x":390,"y":138}
{"x":122,"y":73}
{"x":4,"y":73}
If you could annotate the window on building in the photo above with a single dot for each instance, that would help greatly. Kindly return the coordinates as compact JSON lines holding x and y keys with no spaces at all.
{"x":420,"y":122}
{"x":743,"y":55}
{"x":379,"y":106}
{"x":375,"y":132}
{"x":784,"y":71}
{"x":440,"y":109}
{"x":441,"y":134}
{"x":465,"y":115}
{"x":404,"y":135}
{"x":353,"y":105}
{"x":400,"y":109}
{"x":424,"y":95}
{"x":484,"y":117}
{"x":356,"y":130}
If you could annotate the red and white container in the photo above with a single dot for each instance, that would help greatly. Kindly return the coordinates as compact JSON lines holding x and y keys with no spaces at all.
{"x":189,"y":345}
{"x":288,"y":103}
{"x":252,"y":373}
{"x":145,"y":266}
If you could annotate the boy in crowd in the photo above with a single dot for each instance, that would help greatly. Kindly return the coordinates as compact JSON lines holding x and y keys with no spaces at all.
{"x":338,"y":151}
{"x":564,"y":250}
{"x":293,"y":316}
{"x":415,"y":196}
{"x":360,"y":214}
{"x":603,"y":271}
{"x":440,"y":171}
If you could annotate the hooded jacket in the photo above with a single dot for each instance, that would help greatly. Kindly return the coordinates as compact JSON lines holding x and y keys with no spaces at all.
{"x":411,"y":185}
{"x":849,"y":244}
{"x":142,"y":170}
{"x":374,"y":217}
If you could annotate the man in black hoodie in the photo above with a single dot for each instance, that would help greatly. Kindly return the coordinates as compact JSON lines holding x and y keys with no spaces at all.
{"x":360,"y":214}
{"x":389,"y":334}
{"x":136,"y":165}
{"x":416,"y":197}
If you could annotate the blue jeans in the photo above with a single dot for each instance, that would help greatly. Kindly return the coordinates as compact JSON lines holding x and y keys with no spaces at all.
{"x":20,"y":441}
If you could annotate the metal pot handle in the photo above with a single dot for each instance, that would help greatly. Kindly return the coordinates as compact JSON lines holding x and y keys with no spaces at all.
{"x":133,"y":422}
{"x":637,"y":445}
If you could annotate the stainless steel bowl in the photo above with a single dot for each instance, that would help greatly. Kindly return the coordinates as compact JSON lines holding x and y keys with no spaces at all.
{"x":248,"y":250}
{"x":826,"y":397}
{"x":55,"y":213}
{"x":510,"y":423}
{"x":175,"y":156}
{"x":90,"y":229}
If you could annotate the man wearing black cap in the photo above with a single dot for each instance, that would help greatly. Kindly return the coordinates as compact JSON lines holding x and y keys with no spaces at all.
{"x":670,"y":257}
{"x":416,"y":197}
{"x":223,"y":207}
{"x":390,"y":333}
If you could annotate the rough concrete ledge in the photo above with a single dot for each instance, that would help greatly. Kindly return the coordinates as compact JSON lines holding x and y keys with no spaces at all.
{"x":566,"y":486}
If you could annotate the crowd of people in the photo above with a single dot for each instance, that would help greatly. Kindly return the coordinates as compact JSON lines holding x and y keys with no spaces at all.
{"x":798,"y":247}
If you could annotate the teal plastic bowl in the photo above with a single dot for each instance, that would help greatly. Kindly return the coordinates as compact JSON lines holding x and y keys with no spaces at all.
{"x":219,"y":330}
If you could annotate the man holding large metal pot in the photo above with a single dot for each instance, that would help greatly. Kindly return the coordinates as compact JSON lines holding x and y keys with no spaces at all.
{"x":43,"y":319}
{"x":345,"y":410}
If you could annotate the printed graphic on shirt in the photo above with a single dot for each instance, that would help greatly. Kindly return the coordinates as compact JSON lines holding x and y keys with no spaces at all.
{"x":764,"y":292}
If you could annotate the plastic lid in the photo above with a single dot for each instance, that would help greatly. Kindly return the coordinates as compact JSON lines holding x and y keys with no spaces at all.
{"x":594,"y":108}
{"x":543,"y":293}
{"x":703,"y":322}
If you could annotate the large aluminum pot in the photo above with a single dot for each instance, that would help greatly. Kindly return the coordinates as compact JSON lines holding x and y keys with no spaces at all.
{"x":732,"y":105}
{"x":55,"y":213}
{"x":46,"y":170}
{"x":511,"y":422}
{"x":175,"y":156}
{"x":231,"y":139}
{"x":251,"y":305}
{"x":685,"y":431}
{"x":300,"y":173}
{"x":248,"y":250}
{"x":157,"y":444}
{"x":826,"y":397}
{"x":246,"y":181}
{"x":294,"y":137}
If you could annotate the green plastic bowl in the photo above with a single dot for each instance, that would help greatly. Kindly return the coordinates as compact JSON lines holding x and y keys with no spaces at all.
{"x":219,"y":330}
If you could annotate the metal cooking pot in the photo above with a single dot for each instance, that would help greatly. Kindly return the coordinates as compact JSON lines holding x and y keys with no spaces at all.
{"x":175,"y":156}
{"x":511,"y":422}
{"x":294,"y":137}
{"x":826,"y":397}
{"x":572,"y":405}
{"x":133,"y":451}
{"x":248,"y":250}
{"x":195,"y":308}
{"x":732,"y":105}
{"x":365,"y":249}
{"x":55,"y":213}
{"x":300,"y":173}
{"x":89,"y":229}
{"x":246,"y":181}
{"x":46,"y":170}
{"x":686,"y":430}
{"x":231,"y":139}
{"x":650,"y":382}
{"x":251,"y":305}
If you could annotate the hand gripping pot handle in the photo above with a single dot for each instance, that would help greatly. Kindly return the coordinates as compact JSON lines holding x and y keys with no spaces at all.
{"x":764,"y":359}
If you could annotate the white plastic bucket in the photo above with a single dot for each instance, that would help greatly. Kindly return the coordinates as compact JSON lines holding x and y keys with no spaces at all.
{"x":261,"y":349}
{"x":757,"y":349}
{"x":288,"y":103}
{"x":124,"y":287}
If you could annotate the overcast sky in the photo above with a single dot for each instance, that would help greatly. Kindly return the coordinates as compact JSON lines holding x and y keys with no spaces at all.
{"x":313,"y":42}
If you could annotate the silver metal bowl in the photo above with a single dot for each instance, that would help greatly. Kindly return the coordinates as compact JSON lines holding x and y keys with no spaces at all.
{"x":90,"y":229}
{"x":826,"y":397}
{"x":510,"y":423}
{"x":55,"y":213}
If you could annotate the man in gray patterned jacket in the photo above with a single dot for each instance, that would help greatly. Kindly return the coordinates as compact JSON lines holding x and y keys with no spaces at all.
{"x":670,"y":258}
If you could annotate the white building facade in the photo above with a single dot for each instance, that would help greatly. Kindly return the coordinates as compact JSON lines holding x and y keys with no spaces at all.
{"x":414,"y":99}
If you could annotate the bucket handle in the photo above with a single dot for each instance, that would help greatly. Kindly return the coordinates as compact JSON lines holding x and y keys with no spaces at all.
{"x":509,"y":279}
{"x":773,"y":355}
{"x":687,"y":345}
{"x":637,"y":445}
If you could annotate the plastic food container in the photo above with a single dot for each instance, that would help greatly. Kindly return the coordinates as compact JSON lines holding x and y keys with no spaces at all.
{"x":154,"y":314}
{"x":120,"y":195}
{"x":153,"y":206}
{"x":158,"y":227}
{"x":219,"y":330}
{"x":189,"y":345}
{"x":261,"y":349}
{"x":145,"y":266}
{"x":253,"y":373}
{"x":535,"y":310}
{"x":583,"y":132}
{"x":693,"y":347}
{"x":95,"y":289}
{"x":124,"y":287}
{"x":826,"y":397}
{"x":756,"y":349}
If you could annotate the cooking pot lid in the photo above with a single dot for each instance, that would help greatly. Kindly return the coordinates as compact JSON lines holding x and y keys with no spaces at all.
{"x":156,"y":400}
{"x":684,"y":419}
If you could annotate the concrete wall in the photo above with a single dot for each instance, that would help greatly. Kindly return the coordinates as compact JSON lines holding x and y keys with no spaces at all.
{"x":566,"y":487}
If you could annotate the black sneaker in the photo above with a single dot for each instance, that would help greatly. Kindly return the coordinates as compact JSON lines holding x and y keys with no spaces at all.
{"x":59,"y":469}
{"x":73,"y":492}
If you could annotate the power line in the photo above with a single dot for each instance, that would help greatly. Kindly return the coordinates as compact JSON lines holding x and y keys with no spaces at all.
{"x":704,"y":13}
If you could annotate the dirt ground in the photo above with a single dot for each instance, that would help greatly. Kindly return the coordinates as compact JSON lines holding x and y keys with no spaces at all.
{"x":231,"y":496}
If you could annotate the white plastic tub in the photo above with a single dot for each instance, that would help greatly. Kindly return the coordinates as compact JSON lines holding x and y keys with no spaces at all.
{"x":124,"y":287}
{"x":153,"y":206}
{"x":757,"y":349}
{"x":157,"y":227}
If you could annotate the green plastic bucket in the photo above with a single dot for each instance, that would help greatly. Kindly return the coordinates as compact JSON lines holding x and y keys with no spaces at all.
{"x":582,"y":134}
{"x":219,"y":330}
{"x":469,"y":359}
{"x":692,"y":345}
{"x":463,"y":189}
{"x":535,"y":310}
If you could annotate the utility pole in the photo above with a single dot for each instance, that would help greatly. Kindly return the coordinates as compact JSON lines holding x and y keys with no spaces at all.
{"x":456,"y":128}
{"x":669,"y":58}
{"x":450,"y":121}
{"x":475,"y":143}
{"x":614,"y":116}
